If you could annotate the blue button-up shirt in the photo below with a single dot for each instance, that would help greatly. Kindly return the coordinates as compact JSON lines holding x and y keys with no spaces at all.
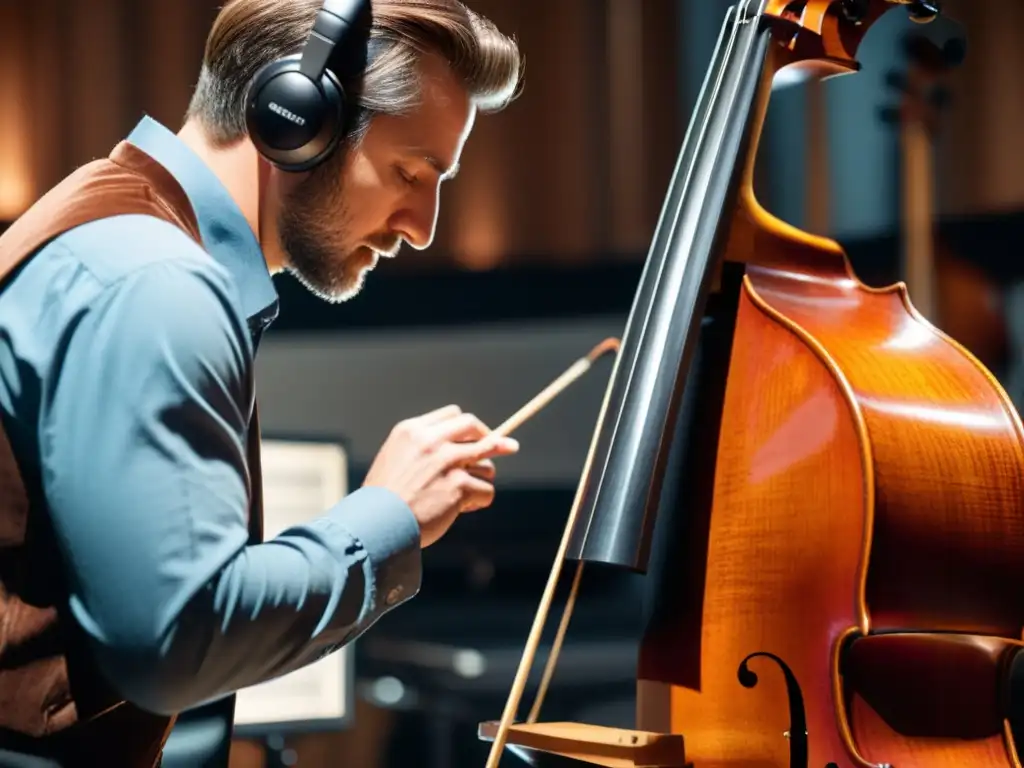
{"x":126,"y":353}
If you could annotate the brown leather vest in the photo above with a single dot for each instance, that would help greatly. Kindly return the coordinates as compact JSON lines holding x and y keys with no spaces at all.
{"x":53,"y":702}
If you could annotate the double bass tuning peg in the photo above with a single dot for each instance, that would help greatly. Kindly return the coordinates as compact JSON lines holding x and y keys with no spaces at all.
{"x":921,"y":11}
{"x":924,"y":11}
{"x":855,"y":10}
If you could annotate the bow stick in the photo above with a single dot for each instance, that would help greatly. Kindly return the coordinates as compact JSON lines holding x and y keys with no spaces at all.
{"x":546,"y":395}
{"x":555,"y":388}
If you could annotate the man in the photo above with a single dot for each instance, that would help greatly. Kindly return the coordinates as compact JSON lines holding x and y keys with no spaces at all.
{"x":126,"y":354}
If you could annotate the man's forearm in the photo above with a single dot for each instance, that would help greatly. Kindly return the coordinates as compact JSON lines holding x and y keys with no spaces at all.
{"x":278,"y":606}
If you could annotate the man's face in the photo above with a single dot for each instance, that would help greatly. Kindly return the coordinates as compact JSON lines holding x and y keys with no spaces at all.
{"x":337,"y":220}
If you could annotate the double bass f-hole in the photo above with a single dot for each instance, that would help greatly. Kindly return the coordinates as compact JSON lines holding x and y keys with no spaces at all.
{"x":797,"y":734}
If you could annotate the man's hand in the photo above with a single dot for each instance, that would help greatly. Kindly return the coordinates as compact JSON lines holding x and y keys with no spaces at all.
{"x":439,"y":463}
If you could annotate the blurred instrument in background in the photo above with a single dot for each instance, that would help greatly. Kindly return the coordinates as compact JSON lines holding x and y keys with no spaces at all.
{"x":954,"y":293}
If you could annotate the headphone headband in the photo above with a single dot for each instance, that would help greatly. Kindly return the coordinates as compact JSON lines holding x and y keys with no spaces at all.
{"x":333,"y":20}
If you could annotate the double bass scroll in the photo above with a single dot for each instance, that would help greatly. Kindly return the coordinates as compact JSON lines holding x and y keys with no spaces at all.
{"x":842,"y":581}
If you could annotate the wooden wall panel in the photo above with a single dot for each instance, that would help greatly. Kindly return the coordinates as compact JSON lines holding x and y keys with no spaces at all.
{"x":17,"y":172}
{"x":171,"y":38}
{"x":49,"y":59}
{"x":576,"y":167}
{"x":96,"y":80}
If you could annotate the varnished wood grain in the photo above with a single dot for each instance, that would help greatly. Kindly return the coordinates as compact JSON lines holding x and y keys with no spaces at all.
{"x":789,"y":486}
{"x":869,"y":479}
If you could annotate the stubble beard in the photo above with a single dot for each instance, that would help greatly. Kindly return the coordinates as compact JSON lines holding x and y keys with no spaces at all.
{"x":315,"y":231}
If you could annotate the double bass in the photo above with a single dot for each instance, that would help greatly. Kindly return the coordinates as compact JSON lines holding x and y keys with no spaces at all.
{"x":823,"y":489}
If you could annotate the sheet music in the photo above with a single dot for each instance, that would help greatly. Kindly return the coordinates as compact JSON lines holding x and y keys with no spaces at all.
{"x":300,"y":481}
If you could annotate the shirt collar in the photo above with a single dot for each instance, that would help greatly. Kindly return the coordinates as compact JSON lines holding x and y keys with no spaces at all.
{"x":226,"y":234}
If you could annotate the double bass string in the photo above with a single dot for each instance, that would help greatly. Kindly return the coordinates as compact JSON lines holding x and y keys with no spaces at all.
{"x":686,"y":164}
{"x":712,"y":83}
{"x":526,"y":662}
{"x":526,"y":412}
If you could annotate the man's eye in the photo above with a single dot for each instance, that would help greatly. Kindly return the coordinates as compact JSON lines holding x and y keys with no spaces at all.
{"x":406,"y":177}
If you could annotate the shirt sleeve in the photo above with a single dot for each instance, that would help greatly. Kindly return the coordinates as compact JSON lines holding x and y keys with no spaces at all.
{"x":142,"y":437}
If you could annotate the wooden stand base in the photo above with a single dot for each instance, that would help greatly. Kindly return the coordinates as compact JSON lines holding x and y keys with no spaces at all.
{"x":551,"y":745}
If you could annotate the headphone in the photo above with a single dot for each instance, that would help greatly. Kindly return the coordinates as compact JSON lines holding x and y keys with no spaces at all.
{"x":296,"y":109}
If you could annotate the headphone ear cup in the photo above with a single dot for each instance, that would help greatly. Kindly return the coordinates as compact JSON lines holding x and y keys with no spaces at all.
{"x":293,"y":122}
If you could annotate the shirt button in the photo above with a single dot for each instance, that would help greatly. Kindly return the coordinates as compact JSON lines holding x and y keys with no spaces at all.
{"x":393,"y":595}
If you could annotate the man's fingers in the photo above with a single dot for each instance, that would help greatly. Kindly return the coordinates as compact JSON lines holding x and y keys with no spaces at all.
{"x":477,"y":494}
{"x":439,"y":415}
{"x":414,"y":426}
{"x":470,"y":453}
{"x":495,"y":445}
{"x":462,"y":428}
{"x":483,"y":469}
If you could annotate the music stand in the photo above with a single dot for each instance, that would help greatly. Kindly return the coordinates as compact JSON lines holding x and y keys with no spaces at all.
{"x":302,"y":478}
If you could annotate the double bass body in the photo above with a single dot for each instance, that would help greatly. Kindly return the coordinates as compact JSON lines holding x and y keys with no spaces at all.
{"x":863,"y":545}
{"x":865,"y":530}
{"x":842,"y":582}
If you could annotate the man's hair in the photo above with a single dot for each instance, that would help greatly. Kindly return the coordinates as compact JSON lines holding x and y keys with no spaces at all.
{"x":248,"y":34}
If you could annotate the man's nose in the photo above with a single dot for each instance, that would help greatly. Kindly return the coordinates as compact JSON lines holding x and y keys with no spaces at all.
{"x":416,"y":221}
